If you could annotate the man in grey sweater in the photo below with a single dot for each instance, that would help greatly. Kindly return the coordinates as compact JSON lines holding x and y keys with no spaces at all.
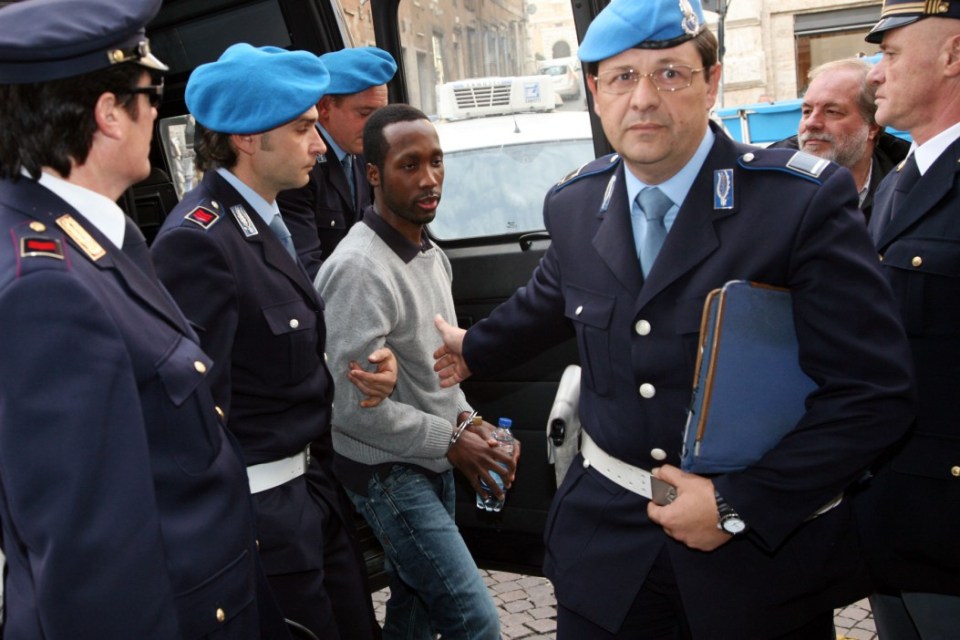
{"x":384,"y":285}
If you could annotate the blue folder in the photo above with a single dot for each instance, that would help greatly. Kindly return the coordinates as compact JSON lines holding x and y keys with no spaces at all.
{"x":749,"y":390}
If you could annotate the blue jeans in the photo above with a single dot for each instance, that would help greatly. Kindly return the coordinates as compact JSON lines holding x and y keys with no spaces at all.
{"x":435,"y":586}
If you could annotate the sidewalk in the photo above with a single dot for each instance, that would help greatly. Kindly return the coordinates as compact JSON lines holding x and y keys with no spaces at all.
{"x":528,"y":609}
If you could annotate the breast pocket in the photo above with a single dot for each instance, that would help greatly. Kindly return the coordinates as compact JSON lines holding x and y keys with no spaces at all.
{"x":925,"y":274}
{"x":330,"y":218}
{"x":186,"y":410}
{"x":293,"y":327}
{"x":591,"y":313}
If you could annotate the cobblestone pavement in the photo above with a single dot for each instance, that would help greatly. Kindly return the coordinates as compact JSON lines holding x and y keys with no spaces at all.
{"x":528,"y":609}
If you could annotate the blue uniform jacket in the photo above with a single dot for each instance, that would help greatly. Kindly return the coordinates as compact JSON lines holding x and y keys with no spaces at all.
{"x":261,"y":321}
{"x":784,"y":227}
{"x":319,"y":214}
{"x":911,"y":512}
{"x":123,"y":500}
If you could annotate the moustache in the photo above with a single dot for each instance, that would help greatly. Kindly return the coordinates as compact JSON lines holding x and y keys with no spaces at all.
{"x":815,"y":137}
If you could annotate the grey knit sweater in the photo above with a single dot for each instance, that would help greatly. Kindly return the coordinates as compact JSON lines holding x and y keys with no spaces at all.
{"x":373,"y":299}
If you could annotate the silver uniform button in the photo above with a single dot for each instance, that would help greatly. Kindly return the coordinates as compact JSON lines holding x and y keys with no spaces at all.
{"x":647,"y":390}
{"x":658,"y":454}
{"x":579,"y":310}
{"x":200,"y":367}
{"x":642,"y":327}
{"x":748,"y":157}
{"x":294,"y":323}
{"x":333,"y":223}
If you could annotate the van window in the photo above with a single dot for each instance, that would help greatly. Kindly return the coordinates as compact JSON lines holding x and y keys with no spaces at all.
{"x":509,"y":131}
{"x":194,"y":42}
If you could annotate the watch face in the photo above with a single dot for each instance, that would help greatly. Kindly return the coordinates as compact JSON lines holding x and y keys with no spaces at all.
{"x":734,"y":525}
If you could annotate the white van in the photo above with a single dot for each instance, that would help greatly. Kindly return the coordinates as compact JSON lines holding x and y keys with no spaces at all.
{"x":566,"y":81}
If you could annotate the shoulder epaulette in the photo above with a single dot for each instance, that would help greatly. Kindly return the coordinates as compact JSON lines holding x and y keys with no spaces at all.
{"x":592,"y":168}
{"x":205,"y":215}
{"x":798,"y":163}
{"x":38,"y":247}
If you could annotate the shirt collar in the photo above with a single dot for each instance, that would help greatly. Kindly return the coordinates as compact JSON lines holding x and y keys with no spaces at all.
{"x":332,"y":143}
{"x":928,"y":152}
{"x":266,"y":210}
{"x":866,"y":184}
{"x":677,"y":186}
{"x":102,"y":212}
{"x":404,"y":249}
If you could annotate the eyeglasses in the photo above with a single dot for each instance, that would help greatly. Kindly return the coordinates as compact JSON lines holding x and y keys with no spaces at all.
{"x":670,"y":78}
{"x":154,"y":93}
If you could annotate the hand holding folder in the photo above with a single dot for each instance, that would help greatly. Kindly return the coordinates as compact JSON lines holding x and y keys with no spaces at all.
{"x":749,"y":390}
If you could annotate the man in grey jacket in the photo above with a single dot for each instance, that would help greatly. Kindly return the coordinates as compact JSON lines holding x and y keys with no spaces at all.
{"x":387,"y":281}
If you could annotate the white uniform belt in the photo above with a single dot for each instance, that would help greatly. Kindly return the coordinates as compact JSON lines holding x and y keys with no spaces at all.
{"x":273,"y":474}
{"x":639,"y":480}
{"x":626,"y":475}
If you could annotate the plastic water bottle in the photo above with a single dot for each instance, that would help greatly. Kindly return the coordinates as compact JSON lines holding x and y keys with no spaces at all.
{"x":504,"y":439}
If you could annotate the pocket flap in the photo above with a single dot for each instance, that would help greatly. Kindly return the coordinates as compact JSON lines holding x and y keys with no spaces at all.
{"x":925,"y":255}
{"x":929,"y":455}
{"x":589,"y":307}
{"x":183,"y":369}
{"x":215,"y":601}
{"x":288,"y":317}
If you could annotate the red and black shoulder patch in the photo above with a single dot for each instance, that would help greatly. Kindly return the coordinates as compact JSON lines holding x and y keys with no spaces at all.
{"x":203,"y":217}
{"x":35,"y":246}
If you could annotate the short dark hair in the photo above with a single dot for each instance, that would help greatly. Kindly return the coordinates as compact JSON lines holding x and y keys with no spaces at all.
{"x":213,"y":149}
{"x":52,"y":123}
{"x":707,"y":46}
{"x":375,"y":147}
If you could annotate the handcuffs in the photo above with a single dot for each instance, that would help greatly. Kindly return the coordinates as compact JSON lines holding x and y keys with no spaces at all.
{"x":473,"y":418}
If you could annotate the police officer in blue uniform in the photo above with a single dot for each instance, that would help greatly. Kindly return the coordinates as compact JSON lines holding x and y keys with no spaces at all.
{"x":320,"y":213}
{"x":638,"y":239}
{"x":123,"y":501}
{"x":911,"y":509}
{"x":226,"y":256}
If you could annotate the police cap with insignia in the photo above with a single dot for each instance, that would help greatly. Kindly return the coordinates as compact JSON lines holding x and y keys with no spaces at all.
{"x":44,"y":40}
{"x":651,"y":24}
{"x":900,"y":13}
{"x":357,"y":69}
{"x":254,"y":89}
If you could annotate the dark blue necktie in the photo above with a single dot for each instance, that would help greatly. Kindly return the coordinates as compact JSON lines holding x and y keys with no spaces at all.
{"x":347,"y":164}
{"x":907,"y":177}
{"x":135,"y":247}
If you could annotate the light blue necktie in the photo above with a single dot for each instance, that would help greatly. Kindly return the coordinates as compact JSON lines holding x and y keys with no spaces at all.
{"x":654,"y":205}
{"x":283,"y":234}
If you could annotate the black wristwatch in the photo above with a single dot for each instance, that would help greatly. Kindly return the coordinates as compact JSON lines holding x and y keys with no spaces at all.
{"x":730,"y":521}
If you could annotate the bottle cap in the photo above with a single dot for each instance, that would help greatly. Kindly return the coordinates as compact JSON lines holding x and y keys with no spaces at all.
{"x":506,"y":423}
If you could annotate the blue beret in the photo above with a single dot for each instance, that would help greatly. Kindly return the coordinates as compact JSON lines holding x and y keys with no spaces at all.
{"x":900,"y":13}
{"x":252,"y":90}
{"x":356,"y":70}
{"x":43,"y":40}
{"x":650,"y":24}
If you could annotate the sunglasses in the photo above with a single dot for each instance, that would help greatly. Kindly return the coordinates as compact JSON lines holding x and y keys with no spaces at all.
{"x":154,"y":93}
